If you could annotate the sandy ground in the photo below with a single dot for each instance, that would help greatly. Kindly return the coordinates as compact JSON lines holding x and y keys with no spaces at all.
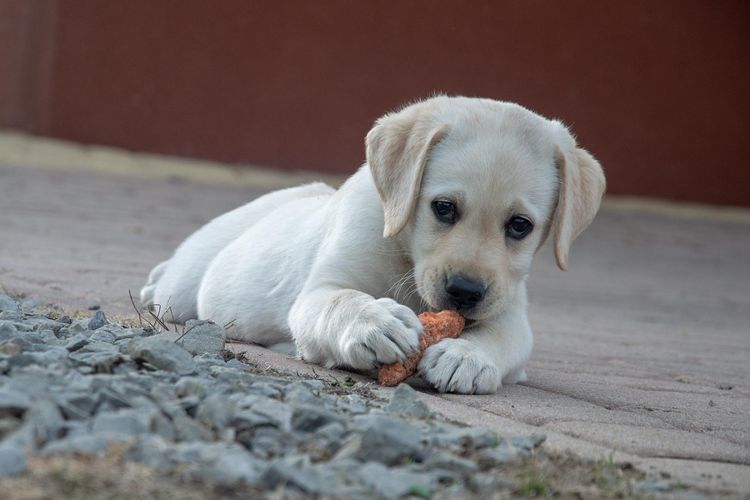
{"x":643,"y":347}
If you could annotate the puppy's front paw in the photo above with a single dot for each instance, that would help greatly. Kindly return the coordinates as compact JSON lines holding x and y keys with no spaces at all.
{"x":384,"y":332}
{"x":456,"y":365}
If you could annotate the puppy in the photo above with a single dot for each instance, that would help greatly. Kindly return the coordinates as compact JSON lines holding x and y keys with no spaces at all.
{"x":456,"y":197}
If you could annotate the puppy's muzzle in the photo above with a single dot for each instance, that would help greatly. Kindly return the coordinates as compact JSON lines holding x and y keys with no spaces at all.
{"x":464,"y":293}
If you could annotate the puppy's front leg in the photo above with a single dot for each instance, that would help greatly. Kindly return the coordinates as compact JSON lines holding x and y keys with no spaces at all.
{"x":486,"y":355}
{"x":345,"y":327}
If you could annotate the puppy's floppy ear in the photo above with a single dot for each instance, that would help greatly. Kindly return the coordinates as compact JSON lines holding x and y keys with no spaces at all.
{"x":582,"y":186}
{"x":397,"y":149}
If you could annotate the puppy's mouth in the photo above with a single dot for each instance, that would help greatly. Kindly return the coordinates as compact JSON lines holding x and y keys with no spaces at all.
{"x":443,"y":305}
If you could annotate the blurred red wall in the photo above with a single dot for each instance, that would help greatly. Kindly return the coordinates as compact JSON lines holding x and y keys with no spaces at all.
{"x":657,"y":90}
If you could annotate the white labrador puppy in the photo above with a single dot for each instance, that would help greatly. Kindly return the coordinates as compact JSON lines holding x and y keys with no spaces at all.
{"x":456,"y":197}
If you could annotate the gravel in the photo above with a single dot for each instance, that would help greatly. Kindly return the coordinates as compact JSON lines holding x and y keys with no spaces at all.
{"x":12,"y":460}
{"x":181,"y":404}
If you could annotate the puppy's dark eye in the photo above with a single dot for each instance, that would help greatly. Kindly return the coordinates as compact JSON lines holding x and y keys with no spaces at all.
{"x":445,"y":211}
{"x":518,"y":227}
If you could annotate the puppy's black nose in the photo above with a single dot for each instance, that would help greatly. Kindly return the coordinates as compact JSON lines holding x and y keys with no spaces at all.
{"x":464,"y":293}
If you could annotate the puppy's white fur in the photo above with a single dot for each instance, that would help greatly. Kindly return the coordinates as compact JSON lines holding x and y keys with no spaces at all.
{"x":343,"y":274}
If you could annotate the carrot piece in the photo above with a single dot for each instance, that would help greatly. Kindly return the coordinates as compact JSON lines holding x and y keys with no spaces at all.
{"x":437,"y":326}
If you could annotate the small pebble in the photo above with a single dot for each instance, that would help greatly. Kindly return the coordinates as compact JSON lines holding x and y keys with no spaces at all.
{"x":97,"y":321}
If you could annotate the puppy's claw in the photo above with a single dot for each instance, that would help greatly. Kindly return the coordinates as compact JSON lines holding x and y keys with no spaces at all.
{"x":456,"y":365}
{"x":385,"y":328}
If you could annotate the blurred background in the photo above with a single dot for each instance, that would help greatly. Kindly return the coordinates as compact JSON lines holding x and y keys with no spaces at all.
{"x":657,"y":90}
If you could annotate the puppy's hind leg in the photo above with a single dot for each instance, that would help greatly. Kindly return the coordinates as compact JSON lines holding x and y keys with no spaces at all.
{"x":149,"y":289}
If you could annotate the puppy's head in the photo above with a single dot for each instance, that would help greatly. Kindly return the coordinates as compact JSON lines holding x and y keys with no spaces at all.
{"x":473,"y":187}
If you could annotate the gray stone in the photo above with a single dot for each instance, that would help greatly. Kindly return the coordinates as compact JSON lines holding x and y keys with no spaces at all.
{"x":93,"y":306}
{"x":266,"y":442}
{"x":405,"y":401}
{"x":218,"y":368}
{"x":651,"y":486}
{"x":160,"y":392}
{"x":489,"y":483}
{"x":498,"y":455}
{"x":349,"y":449}
{"x":50,"y":338}
{"x":10,"y":316}
{"x":392,"y":482}
{"x":332,"y":432}
{"x":7,"y":304}
{"x":22,"y":438}
{"x":187,"y":429}
{"x":76,"y":405}
{"x":216,"y":411}
{"x":114,"y":395}
{"x":12,"y":460}
{"x":280,"y":473}
{"x":192,"y":386}
{"x":20,"y":360}
{"x":13,"y":403}
{"x":337,"y":480}
{"x":449,"y":461}
{"x":76,"y":342}
{"x":143,"y":402}
{"x":29,"y":304}
{"x":232,"y":363}
{"x":277,"y":413}
{"x":232,"y":466}
{"x":300,"y":393}
{"x":79,"y":325}
{"x":162,"y":354}
{"x":202,"y":337}
{"x":34,"y":338}
{"x":102,"y":335}
{"x":125,"y":422}
{"x":79,"y":444}
{"x":248,"y":419}
{"x":689,"y":495}
{"x":100,"y":357}
{"x":162,"y":426}
{"x":219,"y":463}
{"x":34,"y":383}
{"x":387,"y":440}
{"x":468,"y":438}
{"x":227,"y":378}
{"x":313,"y":383}
{"x":43,"y":323}
{"x":527,"y":443}
{"x":53,"y":355}
{"x":8,"y":330}
{"x":46,"y":420}
{"x":128,"y":333}
{"x":98,"y":320}
{"x":151,"y":450}
{"x":265,"y":389}
{"x":307,"y":418}
{"x":8,"y":425}
{"x":76,"y":428}
{"x":189,"y":404}
{"x":354,"y":404}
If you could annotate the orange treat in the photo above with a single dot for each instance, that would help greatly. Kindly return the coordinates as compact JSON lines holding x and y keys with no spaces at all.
{"x":437,"y":326}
